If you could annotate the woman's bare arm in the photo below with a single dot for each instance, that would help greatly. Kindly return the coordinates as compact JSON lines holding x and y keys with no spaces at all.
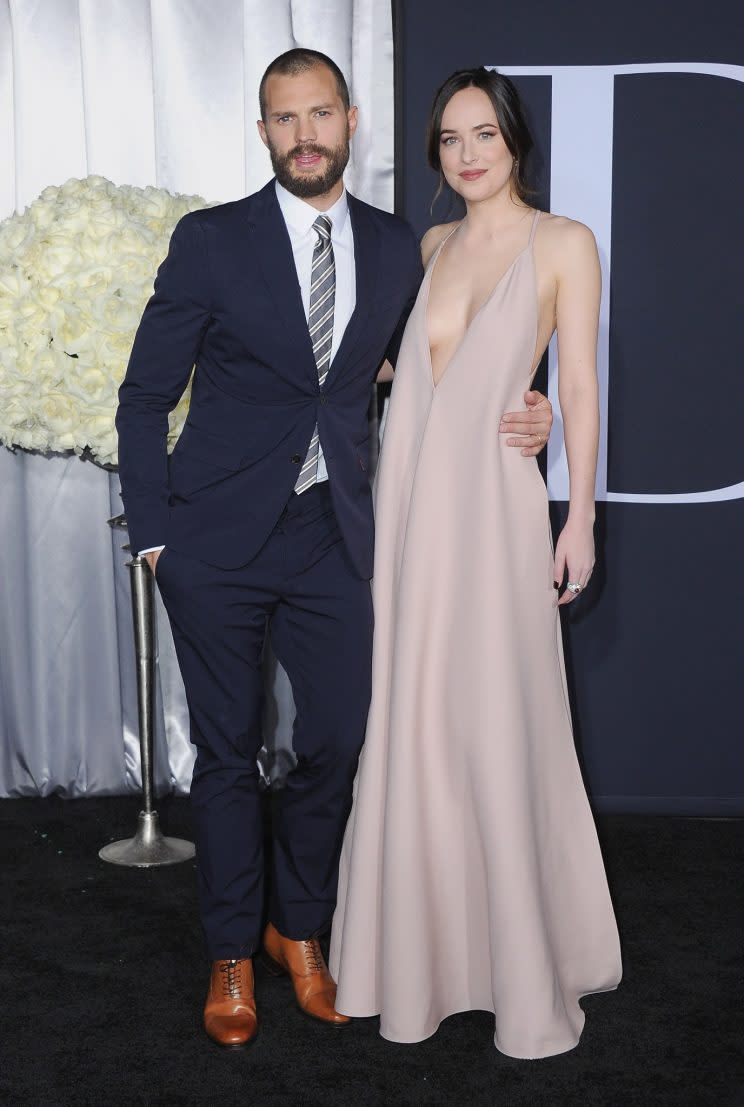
{"x":577,"y":317}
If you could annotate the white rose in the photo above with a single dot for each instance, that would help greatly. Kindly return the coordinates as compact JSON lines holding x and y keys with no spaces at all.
{"x":121,"y":315}
{"x":48,"y":363}
{"x":59,"y":257}
{"x":14,"y":237}
{"x":95,"y":279}
{"x":42,"y":217}
{"x":113,"y":352}
{"x":19,"y":411}
{"x":58,"y":412}
{"x":19,"y":401}
{"x":76,"y":188}
{"x":135,"y":277}
{"x":47,"y":199}
{"x":47,"y":297}
{"x":72,"y":333}
{"x":101,"y":224}
{"x":13,"y":283}
{"x":89,"y":385}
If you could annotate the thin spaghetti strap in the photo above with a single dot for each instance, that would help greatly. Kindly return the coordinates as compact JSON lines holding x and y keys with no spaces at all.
{"x":448,"y":235}
{"x":537,"y":215}
{"x":437,"y":252}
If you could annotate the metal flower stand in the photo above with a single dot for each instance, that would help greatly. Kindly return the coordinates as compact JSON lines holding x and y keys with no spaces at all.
{"x":148,"y":847}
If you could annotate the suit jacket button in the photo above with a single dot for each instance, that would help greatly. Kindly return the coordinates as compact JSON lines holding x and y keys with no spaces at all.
{"x":295,"y":459}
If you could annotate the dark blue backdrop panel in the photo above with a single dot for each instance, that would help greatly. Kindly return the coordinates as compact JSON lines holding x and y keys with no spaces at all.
{"x":655,"y":660}
{"x":655,"y":649}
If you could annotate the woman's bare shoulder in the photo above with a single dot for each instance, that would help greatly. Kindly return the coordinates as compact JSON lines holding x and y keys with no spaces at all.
{"x":433,"y":238}
{"x":561,"y":233}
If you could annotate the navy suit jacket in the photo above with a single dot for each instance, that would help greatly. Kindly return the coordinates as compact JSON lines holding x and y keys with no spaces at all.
{"x":227,"y":302}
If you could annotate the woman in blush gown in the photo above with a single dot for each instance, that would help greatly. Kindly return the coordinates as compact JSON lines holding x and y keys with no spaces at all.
{"x":471,"y":876}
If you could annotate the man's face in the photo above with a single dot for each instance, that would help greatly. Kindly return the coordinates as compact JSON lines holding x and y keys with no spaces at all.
{"x":307,"y":131}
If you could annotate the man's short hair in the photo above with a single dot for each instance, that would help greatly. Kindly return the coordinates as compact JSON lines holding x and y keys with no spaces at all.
{"x":299,"y":60}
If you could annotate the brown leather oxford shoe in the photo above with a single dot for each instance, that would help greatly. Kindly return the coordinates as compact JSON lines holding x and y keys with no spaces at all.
{"x":230,"y":1011}
{"x":304,"y":964}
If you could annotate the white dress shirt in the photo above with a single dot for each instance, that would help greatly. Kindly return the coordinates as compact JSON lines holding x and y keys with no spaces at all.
{"x":299,"y":217}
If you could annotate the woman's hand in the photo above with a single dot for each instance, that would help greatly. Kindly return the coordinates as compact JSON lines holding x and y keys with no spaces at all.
{"x":574,"y":554}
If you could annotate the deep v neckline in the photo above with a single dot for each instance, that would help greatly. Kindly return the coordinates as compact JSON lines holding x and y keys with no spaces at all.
{"x":430,"y":274}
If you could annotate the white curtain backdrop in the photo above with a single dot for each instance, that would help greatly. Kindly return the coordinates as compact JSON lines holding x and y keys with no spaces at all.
{"x":161,"y":92}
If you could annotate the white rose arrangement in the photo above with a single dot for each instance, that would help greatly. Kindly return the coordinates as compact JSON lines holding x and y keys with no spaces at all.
{"x":76,"y":270}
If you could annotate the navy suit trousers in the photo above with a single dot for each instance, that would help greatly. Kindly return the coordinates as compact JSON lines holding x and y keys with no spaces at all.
{"x":302,"y":589}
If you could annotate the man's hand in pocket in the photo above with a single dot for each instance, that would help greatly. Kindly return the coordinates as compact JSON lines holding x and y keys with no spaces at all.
{"x":152,"y":559}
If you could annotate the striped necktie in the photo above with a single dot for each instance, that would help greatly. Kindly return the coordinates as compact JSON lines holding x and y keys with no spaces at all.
{"x":320,"y":323}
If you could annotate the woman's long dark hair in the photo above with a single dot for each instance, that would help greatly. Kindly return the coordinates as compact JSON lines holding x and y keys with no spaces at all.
{"x":506,"y":103}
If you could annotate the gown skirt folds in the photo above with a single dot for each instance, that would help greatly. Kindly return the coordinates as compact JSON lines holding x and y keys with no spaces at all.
{"x":471,"y":876}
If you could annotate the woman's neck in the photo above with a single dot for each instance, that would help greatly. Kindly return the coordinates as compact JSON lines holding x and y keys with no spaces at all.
{"x":496,"y":214}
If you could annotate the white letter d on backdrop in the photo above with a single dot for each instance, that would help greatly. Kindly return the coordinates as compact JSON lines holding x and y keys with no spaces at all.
{"x":581,"y":188}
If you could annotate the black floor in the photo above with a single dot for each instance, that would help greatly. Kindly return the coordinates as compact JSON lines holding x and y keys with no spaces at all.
{"x":103,"y":978}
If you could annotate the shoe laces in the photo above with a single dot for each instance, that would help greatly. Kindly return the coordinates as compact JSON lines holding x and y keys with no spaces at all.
{"x":313,"y":956}
{"x":232,"y":978}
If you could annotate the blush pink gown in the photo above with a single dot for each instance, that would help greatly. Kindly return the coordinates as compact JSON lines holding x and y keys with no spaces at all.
{"x":471,"y":876}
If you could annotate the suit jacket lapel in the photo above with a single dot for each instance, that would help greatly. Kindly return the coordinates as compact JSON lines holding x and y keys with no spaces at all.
{"x":276,"y":261}
{"x":366,"y":263}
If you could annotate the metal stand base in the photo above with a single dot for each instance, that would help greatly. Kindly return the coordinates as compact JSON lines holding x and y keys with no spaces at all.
{"x":149,"y":847}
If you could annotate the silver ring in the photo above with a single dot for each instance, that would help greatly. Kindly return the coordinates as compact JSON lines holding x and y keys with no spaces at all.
{"x":573,"y":587}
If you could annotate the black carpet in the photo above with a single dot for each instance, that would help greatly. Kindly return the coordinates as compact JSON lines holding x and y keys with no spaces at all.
{"x":103,"y":979}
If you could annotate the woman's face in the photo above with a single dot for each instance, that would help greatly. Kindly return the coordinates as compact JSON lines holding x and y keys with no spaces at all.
{"x":476,"y":161}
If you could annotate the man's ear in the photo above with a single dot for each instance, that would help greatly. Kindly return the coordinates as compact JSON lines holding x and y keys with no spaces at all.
{"x":262,"y":131}
{"x":353,"y":117}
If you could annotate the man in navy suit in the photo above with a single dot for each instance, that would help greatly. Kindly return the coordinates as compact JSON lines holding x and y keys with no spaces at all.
{"x":286,"y":303}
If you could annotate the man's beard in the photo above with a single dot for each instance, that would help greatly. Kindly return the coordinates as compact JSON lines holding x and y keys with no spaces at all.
{"x":306,"y":185}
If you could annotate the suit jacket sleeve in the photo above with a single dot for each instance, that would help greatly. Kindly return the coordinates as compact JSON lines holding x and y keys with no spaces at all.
{"x":164,"y":352}
{"x":416,"y":272}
